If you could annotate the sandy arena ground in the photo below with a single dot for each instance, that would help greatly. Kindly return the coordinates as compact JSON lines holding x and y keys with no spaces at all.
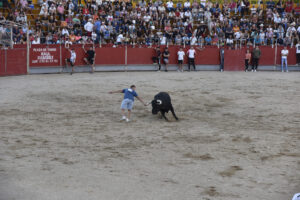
{"x":238,"y":137}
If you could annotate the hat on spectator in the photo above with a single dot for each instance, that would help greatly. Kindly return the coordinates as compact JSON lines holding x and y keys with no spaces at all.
{"x":293,"y":24}
{"x":261,"y":25}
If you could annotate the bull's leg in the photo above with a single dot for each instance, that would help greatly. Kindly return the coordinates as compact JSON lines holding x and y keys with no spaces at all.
{"x":172,"y":110}
{"x":164,"y":116}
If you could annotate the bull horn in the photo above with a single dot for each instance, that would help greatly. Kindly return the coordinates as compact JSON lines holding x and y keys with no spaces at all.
{"x":159,"y":102}
{"x":148,"y":103}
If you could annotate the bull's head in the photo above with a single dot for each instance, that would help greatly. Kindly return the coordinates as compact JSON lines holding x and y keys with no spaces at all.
{"x":156,"y":103}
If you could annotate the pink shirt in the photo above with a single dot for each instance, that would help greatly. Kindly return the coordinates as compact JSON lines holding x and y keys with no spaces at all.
{"x":60,"y":9}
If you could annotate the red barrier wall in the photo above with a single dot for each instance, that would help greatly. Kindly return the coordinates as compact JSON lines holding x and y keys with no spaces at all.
{"x":54,"y":56}
{"x":13,"y":62}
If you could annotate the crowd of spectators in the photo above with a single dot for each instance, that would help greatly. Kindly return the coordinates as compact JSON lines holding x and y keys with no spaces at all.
{"x":154,"y":22}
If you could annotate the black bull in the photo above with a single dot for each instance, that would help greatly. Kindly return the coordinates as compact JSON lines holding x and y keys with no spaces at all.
{"x":162,"y":103}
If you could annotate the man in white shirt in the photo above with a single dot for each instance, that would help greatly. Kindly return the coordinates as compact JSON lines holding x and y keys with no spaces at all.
{"x":71,"y":60}
{"x":147,"y":18}
{"x":298,"y":52}
{"x":180,"y":55}
{"x":284,"y":54}
{"x":169,"y":5}
{"x":187,"y":6}
{"x":120,"y":39}
{"x":88,"y":27}
{"x":191,"y":58}
{"x":36,"y":40}
{"x":64,"y":32}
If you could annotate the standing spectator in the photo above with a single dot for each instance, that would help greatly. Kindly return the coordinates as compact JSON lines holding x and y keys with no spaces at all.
{"x":71,"y":60}
{"x":191,"y":58}
{"x":88,"y":27}
{"x":158,"y":58}
{"x":247,"y":60}
{"x":284,"y":54}
{"x":180,"y":55}
{"x":60,"y":11}
{"x":256,"y":53}
{"x":166,"y":55}
{"x":222,"y":56}
{"x":298,"y":52}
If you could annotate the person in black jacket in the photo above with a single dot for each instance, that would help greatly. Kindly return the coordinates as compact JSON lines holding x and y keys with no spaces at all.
{"x":222,"y":52}
{"x":90,"y":59}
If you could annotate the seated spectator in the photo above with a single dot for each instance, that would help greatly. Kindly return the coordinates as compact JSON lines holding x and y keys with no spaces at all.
{"x":52,"y":9}
{"x":208,"y":40}
{"x":169,"y":6}
{"x":186,"y":6}
{"x":229,"y":42}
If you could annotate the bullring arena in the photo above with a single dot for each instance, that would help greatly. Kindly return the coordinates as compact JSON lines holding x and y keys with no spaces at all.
{"x":237,"y":137}
{"x":63,"y":137}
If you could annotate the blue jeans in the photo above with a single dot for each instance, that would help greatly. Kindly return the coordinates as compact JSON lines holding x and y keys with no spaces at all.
{"x":284,"y":61}
{"x":127,"y":104}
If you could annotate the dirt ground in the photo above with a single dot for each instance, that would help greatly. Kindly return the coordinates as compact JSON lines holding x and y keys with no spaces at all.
{"x":238,"y":137}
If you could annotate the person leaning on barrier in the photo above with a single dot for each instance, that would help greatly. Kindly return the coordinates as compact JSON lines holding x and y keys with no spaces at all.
{"x":91,"y":55}
{"x":247,"y":60}
{"x":157,"y":58}
{"x":256,"y":53}
{"x":284,"y":55}
{"x":191,"y":58}
{"x":222,"y":53}
{"x":166,"y":55}
{"x":71,"y":60}
{"x":298,"y":52}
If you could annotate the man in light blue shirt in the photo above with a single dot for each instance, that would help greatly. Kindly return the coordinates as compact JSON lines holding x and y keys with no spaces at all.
{"x":127,"y":103}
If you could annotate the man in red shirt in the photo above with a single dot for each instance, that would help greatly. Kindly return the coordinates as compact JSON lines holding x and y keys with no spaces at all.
{"x":297,"y":9}
{"x":289,"y":6}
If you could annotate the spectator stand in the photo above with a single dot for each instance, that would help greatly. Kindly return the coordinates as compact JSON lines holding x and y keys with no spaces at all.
{"x":140,"y":24}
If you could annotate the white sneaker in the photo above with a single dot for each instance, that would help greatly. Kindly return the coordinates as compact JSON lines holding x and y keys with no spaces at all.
{"x":252,"y":70}
{"x":287,"y":70}
{"x":127,"y":120}
{"x":255,"y":71}
{"x":124,"y":118}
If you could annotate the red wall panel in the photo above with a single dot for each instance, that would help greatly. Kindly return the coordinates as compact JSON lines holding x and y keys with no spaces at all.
{"x":234,"y":60}
{"x":267,"y":55}
{"x":208,"y":56}
{"x":110,"y":56}
{"x":2,"y":62}
{"x":140,"y":56}
{"x":13,"y":62}
{"x":16,"y":66}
